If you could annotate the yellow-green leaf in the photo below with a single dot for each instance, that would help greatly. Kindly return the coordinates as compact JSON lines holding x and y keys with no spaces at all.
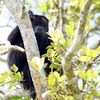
{"x":51,"y":80}
{"x":56,"y":74}
{"x":89,"y":74}
{"x":88,"y":97}
{"x":34,"y":65}
{"x":60,"y":79}
{"x":84,"y":58}
{"x":43,"y":7}
{"x":95,"y":73}
{"x":70,"y":30}
{"x":82,"y":75}
{"x":92,"y":53}
{"x":71,"y":24}
{"x":37,"y":63}
{"x":19,"y":76}
{"x":14,"y":68}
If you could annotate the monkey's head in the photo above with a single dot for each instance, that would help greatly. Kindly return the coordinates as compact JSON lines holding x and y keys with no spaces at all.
{"x":39,"y":24}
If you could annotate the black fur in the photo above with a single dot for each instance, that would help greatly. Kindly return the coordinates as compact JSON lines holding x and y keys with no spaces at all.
{"x":40,"y":27}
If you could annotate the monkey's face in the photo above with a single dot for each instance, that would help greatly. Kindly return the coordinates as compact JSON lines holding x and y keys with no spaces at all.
{"x":40,"y":26}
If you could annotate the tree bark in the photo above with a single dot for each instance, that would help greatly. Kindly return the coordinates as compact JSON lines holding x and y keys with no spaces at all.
{"x":31,"y":48}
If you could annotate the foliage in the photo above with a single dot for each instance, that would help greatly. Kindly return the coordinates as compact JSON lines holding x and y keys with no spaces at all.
{"x":58,"y":85}
{"x":85,"y":61}
{"x":90,"y":54}
{"x":11,"y":77}
{"x":86,"y":57}
{"x":21,"y":98}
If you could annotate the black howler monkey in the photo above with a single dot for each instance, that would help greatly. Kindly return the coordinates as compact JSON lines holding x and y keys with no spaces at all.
{"x":40,"y":27}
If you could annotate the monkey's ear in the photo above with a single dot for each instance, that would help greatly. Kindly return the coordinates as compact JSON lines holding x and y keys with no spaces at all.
{"x":31,"y":14}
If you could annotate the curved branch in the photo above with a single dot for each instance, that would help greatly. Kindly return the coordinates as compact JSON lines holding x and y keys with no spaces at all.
{"x":79,"y":38}
{"x":77,"y":43}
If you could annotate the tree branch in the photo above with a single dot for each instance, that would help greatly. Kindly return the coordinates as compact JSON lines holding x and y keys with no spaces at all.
{"x":77,"y":43}
{"x":7,"y":47}
{"x":31,"y":48}
{"x":8,"y":94}
{"x":79,"y":37}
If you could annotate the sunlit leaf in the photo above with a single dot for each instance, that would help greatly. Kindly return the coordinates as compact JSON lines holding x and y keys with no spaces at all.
{"x":56,"y":74}
{"x":14,"y":68}
{"x":92,"y":53}
{"x":3,"y":80}
{"x":84,"y":58}
{"x":89,"y":74}
{"x":88,"y":97}
{"x":70,"y":30}
{"x":82,"y":75}
{"x":43,"y":7}
{"x":34,"y":65}
{"x":37,"y":63}
{"x":71,"y":24}
{"x":95,"y":73}
{"x":81,"y":3}
{"x":17,"y":98}
{"x":62,"y":78}
{"x":18,"y":76}
{"x":85,"y":49}
{"x":51,"y":80}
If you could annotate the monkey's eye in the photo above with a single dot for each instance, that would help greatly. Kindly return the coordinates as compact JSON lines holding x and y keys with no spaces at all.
{"x":35,"y":24}
{"x":43,"y":25}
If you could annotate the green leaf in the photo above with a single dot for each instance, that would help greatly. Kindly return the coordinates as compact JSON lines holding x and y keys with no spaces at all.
{"x":19,"y":76}
{"x":3,"y":80}
{"x":92,"y":53}
{"x":68,"y":43}
{"x":14,"y":68}
{"x":89,"y":74}
{"x":71,"y":24}
{"x":95,"y":73}
{"x":88,"y":97}
{"x":11,"y":84}
{"x":82,"y":75}
{"x":34,"y":65}
{"x":43,"y":7}
{"x":85,"y":49}
{"x":56,"y":74}
{"x":62,"y":78}
{"x":51,"y":52}
{"x":37,"y":63}
{"x":70,"y":30}
{"x":51,"y":80}
{"x":84,"y":58}
{"x":21,"y":98}
{"x":96,"y":93}
{"x":27,"y":98}
{"x":17,"y":98}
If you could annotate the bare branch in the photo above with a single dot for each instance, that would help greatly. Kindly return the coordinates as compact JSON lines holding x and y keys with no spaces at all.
{"x":55,"y":3}
{"x":97,"y":44}
{"x":6,"y":48}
